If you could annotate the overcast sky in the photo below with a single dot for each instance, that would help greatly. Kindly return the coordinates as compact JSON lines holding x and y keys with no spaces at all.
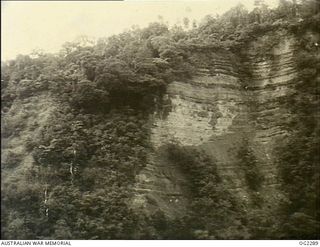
{"x":46,"y":25}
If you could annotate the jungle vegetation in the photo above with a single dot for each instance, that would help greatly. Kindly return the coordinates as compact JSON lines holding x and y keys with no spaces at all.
{"x":87,"y":155}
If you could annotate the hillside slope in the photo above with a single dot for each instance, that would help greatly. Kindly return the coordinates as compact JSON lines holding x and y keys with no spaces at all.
{"x":158,"y":133}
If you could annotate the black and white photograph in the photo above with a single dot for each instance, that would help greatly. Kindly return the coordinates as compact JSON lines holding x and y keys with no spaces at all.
{"x":160,"y":120}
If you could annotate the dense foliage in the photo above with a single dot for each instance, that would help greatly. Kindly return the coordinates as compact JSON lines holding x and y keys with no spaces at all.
{"x":214,"y":212}
{"x":87,"y":154}
{"x":249,"y":164}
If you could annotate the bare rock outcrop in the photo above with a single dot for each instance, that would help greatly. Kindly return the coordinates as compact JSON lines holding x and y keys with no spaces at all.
{"x":216,"y":111}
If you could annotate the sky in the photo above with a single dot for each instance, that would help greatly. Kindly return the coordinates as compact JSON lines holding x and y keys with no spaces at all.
{"x":46,"y":25}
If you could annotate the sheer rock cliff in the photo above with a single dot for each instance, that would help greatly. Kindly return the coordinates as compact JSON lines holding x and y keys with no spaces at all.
{"x":216,"y":111}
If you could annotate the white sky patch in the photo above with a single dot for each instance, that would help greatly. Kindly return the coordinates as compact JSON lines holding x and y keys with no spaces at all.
{"x":48,"y":24}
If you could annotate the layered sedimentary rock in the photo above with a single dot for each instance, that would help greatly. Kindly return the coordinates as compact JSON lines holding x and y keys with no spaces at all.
{"x":216,"y":111}
{"x":272,"y":80}
{"x":161,"y":185}
{"x":205,"y":112}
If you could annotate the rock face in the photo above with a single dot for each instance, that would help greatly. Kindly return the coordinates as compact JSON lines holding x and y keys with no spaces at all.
{"x":272,"y":81}
{"x":161,"y":186}
{"x":216,"y":111}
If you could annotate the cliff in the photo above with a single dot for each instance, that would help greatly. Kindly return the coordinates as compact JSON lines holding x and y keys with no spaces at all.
{"x":159,"y":133}
{"x":216,"y":112}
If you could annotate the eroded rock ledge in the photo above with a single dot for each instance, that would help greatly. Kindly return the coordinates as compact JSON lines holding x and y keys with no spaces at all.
{"x":215,"y":112}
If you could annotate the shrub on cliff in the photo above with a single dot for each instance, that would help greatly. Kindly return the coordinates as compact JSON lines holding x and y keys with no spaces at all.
{"x":212,"y":209}
{"x":249,"y":165}
{"x":88,"y":96}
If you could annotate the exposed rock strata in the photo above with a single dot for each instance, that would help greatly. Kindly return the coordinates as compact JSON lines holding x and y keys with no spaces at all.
{"x":215,"y":111}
